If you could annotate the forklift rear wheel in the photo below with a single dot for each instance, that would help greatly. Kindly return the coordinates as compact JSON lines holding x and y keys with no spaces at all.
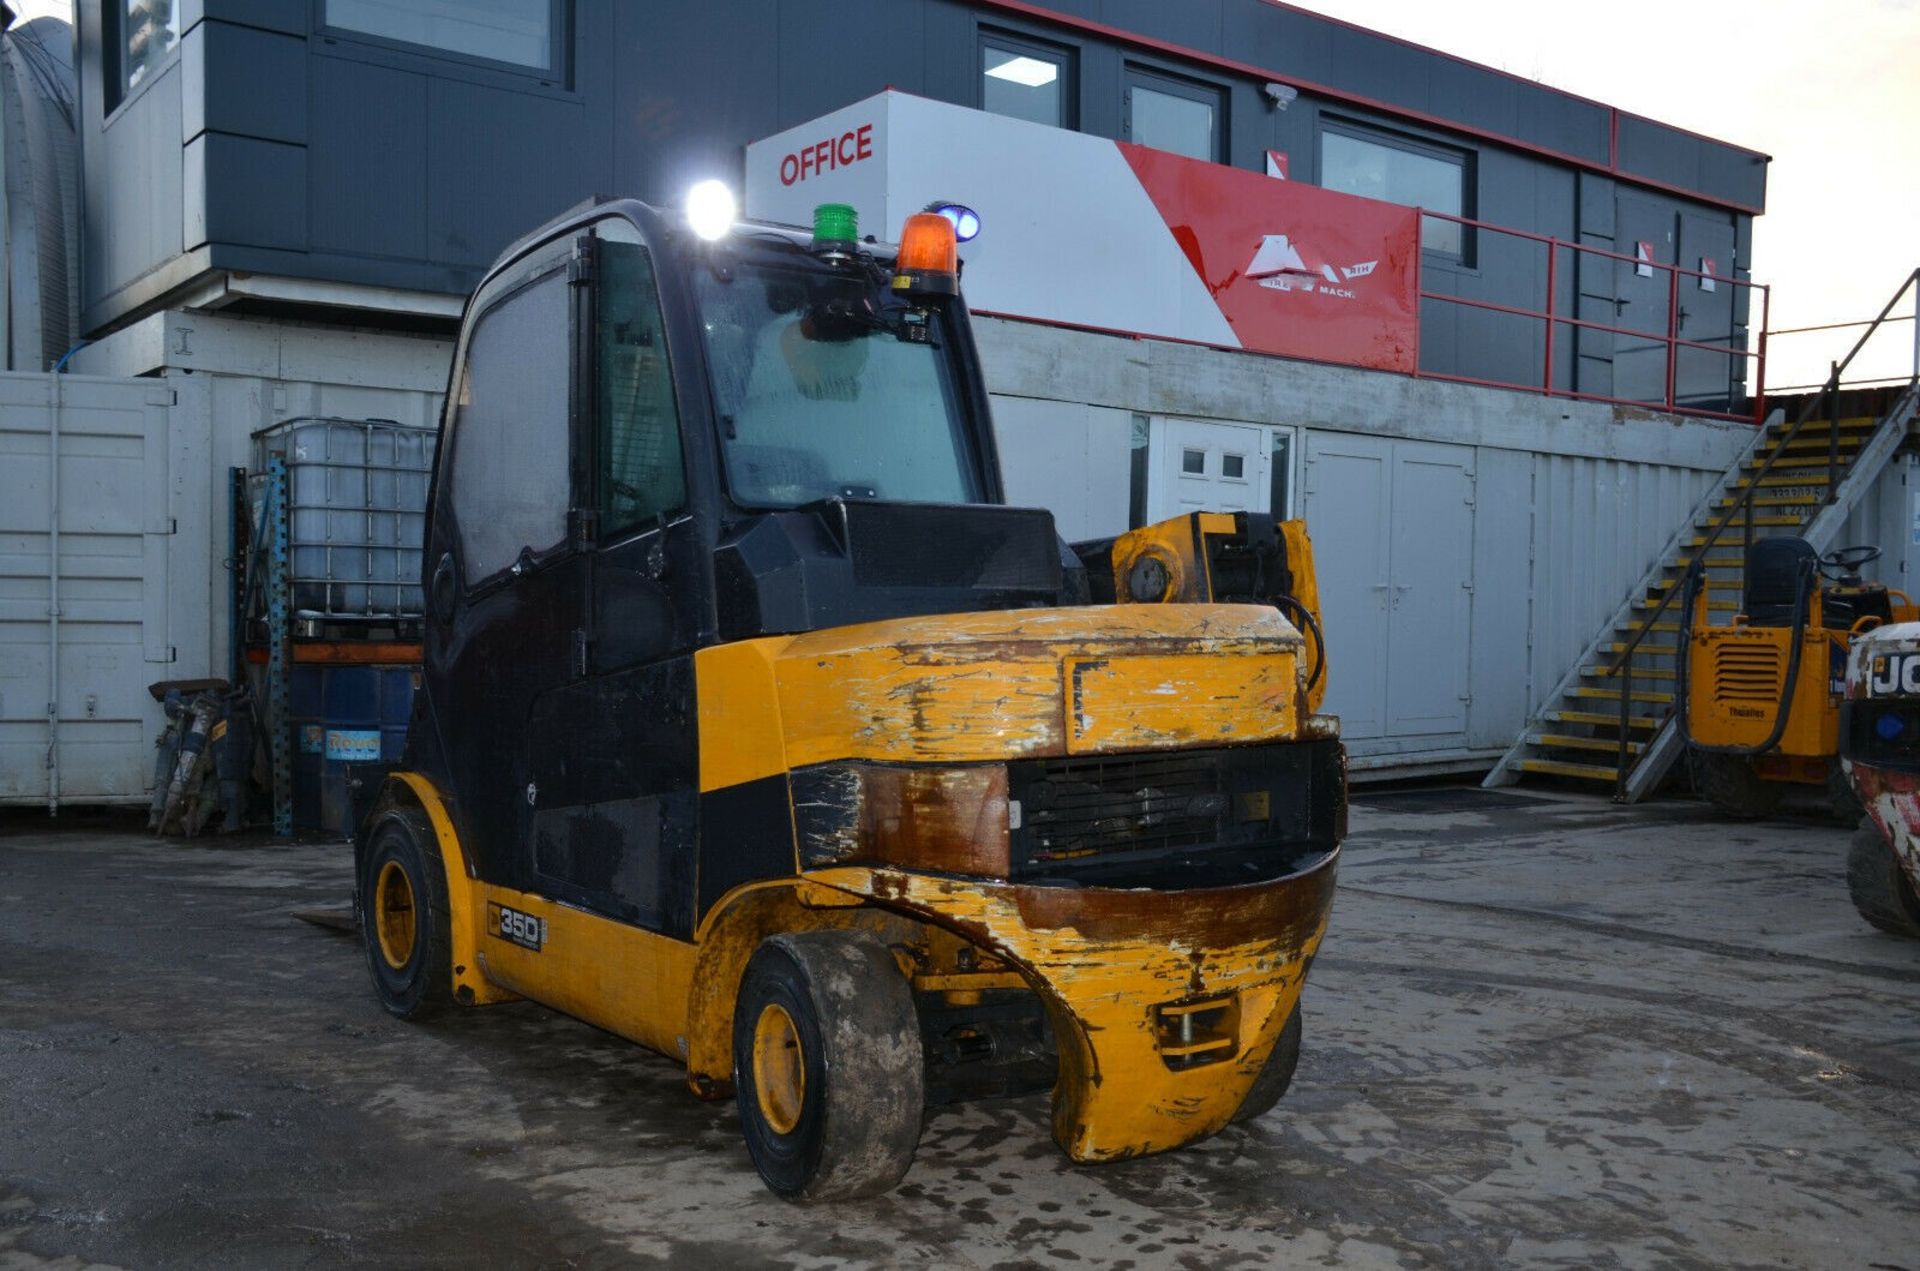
{"x":1276,"y":1075}
{"x":1881,"y":890}
{"x":405,"y":921}
{"x":827,"y":1066}
{"x":1845,"y":804}
{"x":1730,"y":783}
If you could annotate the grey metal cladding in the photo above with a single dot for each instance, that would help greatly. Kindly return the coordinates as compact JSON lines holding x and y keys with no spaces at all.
{"x":369,"y":188}
{"x":353,"y":160}
{"x":260,"y":90}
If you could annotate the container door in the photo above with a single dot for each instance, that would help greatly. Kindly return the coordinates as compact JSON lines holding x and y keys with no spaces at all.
{"x":1202,"y":466}
{"x":112,"y":636}
{"x":1431,"y":596}
{"x":1347,"y":507}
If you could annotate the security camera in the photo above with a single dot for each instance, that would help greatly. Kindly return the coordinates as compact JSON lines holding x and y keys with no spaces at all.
{"x":1279,"y":96}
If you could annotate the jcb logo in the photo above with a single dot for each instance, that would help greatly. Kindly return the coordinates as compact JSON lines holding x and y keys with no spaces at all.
{"x":526,"y":930}
{"x":1894,"y":674}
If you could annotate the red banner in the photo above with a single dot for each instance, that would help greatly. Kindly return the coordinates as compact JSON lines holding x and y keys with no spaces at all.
{"x":1296,"y":270}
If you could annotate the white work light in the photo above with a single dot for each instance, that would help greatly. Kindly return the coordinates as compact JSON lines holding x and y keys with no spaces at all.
{"x":710,"y":210}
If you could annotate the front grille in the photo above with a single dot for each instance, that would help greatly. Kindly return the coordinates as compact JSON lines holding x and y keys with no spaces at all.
{"x":1122,"y":803}
{"x":1122,"y":819}
{"x":1746,"y":671}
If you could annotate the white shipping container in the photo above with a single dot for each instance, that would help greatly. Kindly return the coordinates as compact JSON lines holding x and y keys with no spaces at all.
{"x":84,"y":597}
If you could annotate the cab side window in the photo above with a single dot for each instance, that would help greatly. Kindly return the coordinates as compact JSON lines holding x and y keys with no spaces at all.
{"x":640,"y":472}
{"x":510,"y":432}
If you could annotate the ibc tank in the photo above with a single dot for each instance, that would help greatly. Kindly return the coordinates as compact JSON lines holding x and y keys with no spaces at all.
{"x":356,"y":513}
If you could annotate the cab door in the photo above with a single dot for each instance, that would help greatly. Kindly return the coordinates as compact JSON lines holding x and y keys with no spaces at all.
{"x":614,"y":751}
{"x":505,"y":582}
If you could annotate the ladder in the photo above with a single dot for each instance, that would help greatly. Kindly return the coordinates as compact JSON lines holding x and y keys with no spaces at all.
{"x":1611,"y":718}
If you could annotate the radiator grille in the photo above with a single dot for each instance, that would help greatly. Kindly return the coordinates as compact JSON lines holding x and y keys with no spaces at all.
{"x":1127,"y":803}
{"x":1175,"y":818}
{"x":1746,"y":671}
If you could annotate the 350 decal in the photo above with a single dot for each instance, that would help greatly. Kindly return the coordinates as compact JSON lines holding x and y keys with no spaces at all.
{"x":529,"y":931}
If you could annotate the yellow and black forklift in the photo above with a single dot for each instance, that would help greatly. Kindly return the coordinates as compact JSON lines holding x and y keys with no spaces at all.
{"x":1759,"y":699}
{"x":754,"y":728}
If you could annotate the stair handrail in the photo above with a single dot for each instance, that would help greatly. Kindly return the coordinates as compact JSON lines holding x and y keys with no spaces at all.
{"x":1623,"y":663}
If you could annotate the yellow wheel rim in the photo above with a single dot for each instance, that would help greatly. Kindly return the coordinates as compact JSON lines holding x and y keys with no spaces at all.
{"x":393,"y":921}
{"x":779,"y":1068}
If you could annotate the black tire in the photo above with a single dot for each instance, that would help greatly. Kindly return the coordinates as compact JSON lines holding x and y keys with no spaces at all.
{"x":1276,"y":1075}
{"x":1842,"y":801}
{"x":405,"y":921}
{"x":1730,"y":784}
{"x":851,"y":1127}
{"x":1880,"y":888}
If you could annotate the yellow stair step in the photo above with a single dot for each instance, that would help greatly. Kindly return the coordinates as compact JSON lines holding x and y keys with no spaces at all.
{"x":1852,"y":423}
{"x":1713,"y":606}
{"x":1647,"y":649}
{"x":1560,"y":768}
{"x":1773,"y":501}
{"x":1741,"y":520}
{"x":1598,"y":719}
{"x":1802,"y":443}
{"x":1771,"y":482}
{"x":1785,"y":464}
{"x":1554,"y":741}
{"x":1613,"y":695}
{"x":1639,"y":672}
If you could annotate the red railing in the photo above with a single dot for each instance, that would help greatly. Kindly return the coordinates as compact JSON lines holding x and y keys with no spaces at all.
{"x":1551,"y":319}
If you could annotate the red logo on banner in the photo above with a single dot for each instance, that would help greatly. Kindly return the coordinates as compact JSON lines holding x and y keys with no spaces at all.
{"x":1296,"y":270}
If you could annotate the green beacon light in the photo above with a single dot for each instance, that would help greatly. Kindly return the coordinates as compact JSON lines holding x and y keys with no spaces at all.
{"x":836,"y":230}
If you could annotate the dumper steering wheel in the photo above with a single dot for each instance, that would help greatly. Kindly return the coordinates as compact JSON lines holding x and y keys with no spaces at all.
{"x":1843,"y":563}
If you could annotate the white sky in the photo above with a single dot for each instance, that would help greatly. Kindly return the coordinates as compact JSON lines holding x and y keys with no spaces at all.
{"x":1829,"y":88}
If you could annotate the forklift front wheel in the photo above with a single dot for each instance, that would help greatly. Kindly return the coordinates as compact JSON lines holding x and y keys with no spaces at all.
{"x":827,"y":1066}
{"x":1276,"y":1075}
{"x":405,"y":922}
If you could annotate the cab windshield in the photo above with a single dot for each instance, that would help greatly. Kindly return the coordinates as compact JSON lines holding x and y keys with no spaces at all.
{"x":827,"y":386}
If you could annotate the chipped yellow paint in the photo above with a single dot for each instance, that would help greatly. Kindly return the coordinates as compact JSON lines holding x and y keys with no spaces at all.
{"x":1145,"y":703}
{"x":1306,"y":589}
{"x":1179,"y":544}
{"x":469,"y":985}
{"x":978,"y":687}
{"x":1104,"y":960}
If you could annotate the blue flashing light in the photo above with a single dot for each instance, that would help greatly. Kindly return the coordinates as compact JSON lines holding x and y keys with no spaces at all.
{"x":965,"y":221}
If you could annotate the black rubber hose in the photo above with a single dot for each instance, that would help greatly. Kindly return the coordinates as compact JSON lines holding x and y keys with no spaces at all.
{"x":1283,"y":603}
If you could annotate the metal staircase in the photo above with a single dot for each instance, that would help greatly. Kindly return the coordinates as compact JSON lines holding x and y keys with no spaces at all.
{"x":1611,"y":718}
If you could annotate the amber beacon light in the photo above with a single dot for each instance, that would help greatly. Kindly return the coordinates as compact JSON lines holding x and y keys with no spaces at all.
{"x":929,"y":257}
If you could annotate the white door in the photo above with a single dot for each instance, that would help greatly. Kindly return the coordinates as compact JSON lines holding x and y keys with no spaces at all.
{"x":1430,"y":604}
{"x":1203,"y":466}
{"x":1392,"y":526}
{"x":1348,"y":494}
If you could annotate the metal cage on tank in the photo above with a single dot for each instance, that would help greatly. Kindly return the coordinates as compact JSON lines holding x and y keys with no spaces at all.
{"x":356,"y":511}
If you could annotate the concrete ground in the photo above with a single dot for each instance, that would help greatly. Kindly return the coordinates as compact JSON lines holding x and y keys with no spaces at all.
{"x":1541,"y":1032}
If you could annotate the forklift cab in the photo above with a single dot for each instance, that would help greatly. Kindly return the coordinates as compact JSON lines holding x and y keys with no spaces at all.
{"x":756,"y":729}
